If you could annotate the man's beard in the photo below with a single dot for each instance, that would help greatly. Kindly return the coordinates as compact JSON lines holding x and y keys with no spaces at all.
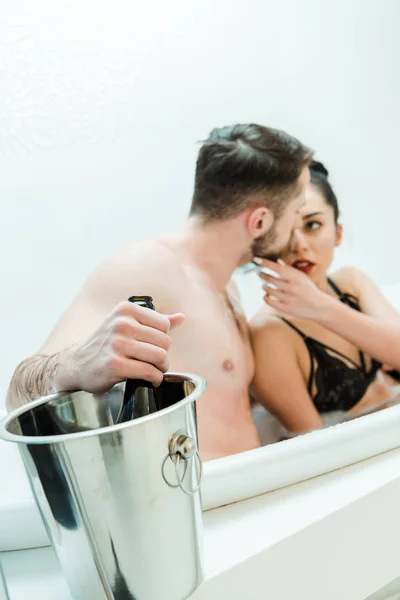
{"x":265,"y":246}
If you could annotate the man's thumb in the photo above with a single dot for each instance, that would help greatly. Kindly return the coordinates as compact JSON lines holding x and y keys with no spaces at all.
{"x":176,"y":319}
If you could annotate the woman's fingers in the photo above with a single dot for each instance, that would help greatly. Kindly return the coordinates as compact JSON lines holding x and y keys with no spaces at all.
{"x":282,"y":270}
{"x":280,"y":293}
{"x":274,"y":302}
{"x":273,"y":283}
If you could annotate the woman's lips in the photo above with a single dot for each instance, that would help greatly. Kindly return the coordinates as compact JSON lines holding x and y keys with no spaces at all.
{"x":303,"y":265}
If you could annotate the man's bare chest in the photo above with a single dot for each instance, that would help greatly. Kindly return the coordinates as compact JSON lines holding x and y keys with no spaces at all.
{"x":215,"y":337}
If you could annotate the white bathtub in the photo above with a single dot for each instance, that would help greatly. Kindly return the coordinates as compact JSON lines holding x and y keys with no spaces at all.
{"x":289,"y":507}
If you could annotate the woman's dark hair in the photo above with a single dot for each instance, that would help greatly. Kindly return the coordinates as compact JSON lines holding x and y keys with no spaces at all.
{"x":319,"y":178}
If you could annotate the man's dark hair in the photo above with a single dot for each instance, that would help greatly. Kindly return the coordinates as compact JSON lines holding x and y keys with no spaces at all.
{"x":241,"y":165}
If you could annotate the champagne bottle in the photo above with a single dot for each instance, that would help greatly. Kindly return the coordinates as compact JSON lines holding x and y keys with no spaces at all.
{"x":139,"y":397}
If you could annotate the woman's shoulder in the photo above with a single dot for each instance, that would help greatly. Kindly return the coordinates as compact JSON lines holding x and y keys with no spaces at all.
{"x":265,"y":317}
{"x":349,"y":279}
{"x":268,"y":325}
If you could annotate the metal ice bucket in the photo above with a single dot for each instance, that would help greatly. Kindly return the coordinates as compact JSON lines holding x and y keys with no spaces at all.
{"x":121,"y":503}
{"x":3,"y":587}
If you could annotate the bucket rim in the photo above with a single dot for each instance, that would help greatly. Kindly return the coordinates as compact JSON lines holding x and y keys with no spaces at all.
{"x":199,"y":387}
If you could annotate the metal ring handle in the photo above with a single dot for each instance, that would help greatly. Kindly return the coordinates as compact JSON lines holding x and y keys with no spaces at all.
{"x":169,"y":484}
{"x":182,"y":448}
{"x":199,"y":469}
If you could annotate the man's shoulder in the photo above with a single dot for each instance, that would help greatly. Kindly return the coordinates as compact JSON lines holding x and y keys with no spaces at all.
{"x":150,"y":255}
{"x":145,"y":267}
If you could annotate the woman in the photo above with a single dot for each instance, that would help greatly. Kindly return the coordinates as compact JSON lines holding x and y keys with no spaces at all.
{"x":322,"y":347}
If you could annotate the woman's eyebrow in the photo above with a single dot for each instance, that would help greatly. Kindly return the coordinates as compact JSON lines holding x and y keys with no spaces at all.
{"x":314,"y":214}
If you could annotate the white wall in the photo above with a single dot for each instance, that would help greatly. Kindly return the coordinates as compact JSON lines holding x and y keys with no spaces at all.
{"x":102,"y":103}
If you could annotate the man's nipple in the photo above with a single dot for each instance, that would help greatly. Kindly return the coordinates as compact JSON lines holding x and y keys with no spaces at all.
{"x":228,"y":365}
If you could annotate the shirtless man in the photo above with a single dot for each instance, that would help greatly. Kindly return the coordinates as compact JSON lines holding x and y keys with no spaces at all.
{"x":249,"y":186}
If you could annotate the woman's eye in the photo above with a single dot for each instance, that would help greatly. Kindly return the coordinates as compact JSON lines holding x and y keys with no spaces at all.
{"x":313,"y":225}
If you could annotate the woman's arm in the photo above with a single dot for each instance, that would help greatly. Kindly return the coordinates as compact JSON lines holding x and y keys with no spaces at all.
{"x":377,"y":332}
{"x":279,"y":383}
{"x":379,"y":338}
{"x":372,"y":301}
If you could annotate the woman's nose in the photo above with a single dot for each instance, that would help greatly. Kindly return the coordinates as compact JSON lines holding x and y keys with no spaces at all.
{"x":298,"y":241}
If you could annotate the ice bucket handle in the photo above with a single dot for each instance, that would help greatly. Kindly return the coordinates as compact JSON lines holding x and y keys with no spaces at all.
{"x":181,"y":450}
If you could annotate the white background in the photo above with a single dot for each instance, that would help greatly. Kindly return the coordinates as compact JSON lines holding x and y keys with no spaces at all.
{"x":102,"y":104}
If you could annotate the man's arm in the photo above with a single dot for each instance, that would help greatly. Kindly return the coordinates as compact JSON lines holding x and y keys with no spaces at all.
{"x":103,"y":339}
{"x":33,"y":377}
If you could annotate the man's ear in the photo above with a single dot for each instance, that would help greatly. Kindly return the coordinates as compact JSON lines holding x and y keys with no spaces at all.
{"x":259,"y":221}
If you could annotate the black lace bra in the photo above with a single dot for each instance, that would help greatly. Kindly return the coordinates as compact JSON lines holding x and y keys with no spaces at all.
{"x":336,"y":382}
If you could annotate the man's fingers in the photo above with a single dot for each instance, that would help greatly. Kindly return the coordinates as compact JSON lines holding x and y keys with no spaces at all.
{"x":129,"y":328}
{"x":145,"y":316}
{"x":134,"y":369}
{"x":142,"y":351}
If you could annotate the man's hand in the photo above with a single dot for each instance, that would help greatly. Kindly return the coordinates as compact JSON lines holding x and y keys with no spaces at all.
{"x":132,"y":342}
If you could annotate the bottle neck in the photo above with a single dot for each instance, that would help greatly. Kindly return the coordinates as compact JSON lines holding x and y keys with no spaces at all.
{"x":145,"y":301}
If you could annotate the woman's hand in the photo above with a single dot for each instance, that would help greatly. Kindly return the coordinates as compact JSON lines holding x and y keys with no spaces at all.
{"x":293,"y":293}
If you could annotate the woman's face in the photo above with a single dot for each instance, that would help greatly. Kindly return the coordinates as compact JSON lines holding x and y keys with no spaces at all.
{"x":314,"y":237}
